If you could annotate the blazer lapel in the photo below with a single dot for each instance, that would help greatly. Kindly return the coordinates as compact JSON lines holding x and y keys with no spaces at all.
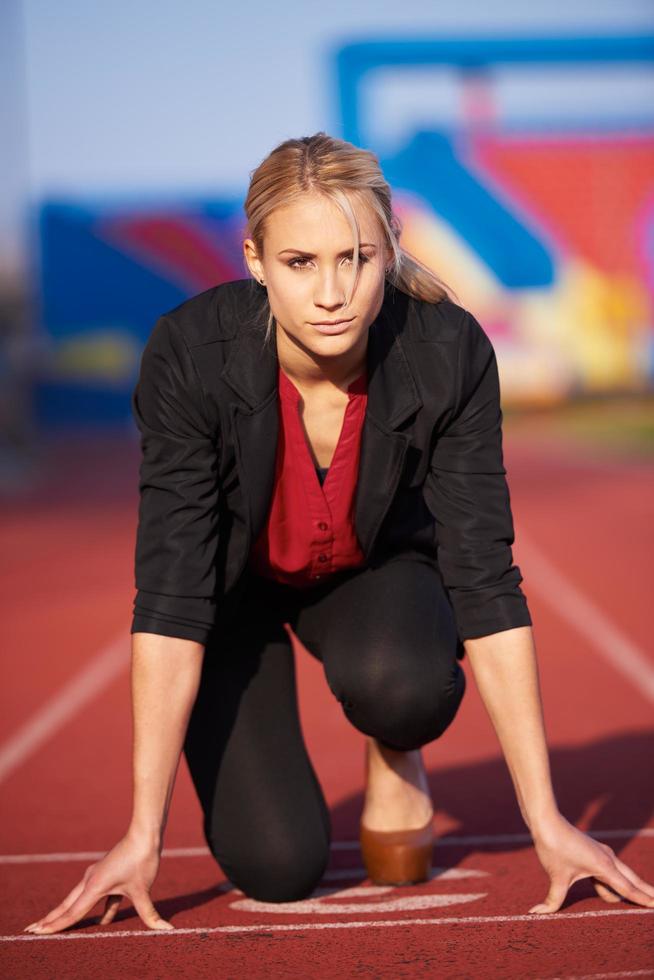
{"x":393,"y":397}
{"x":251,"y":371}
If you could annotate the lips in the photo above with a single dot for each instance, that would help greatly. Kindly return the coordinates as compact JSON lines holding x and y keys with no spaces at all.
{"x":331,"y":323}
{"x":333,"y":327}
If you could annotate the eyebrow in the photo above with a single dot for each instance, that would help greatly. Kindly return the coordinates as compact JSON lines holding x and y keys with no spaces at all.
{"x":310,"y":255}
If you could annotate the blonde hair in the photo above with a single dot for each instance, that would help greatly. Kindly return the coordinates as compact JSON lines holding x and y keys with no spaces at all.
{"x":339,"y":171}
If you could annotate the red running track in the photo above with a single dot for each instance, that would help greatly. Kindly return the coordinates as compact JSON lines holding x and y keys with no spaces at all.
{"x":584,"y":545}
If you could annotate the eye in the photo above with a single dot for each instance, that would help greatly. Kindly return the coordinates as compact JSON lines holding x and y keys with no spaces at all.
{"x":300,"y":262}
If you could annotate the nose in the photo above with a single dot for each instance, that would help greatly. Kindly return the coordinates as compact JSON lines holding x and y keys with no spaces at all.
{"x":329,"y":293}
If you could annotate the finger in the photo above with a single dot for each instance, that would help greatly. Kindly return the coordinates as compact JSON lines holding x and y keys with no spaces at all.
{"x":624,"y":887}
{"x":605,"y":892}
{"x":70,"y":898}
{"x":77,"y":911}
{"x":110,"y":909}
{"x":147,"y":911}
{"x":633,"y":877}
{"x":555,"y":897}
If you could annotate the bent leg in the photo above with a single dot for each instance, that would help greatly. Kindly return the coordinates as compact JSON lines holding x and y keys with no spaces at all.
{"x":388,"y":641}
{"x":265,"y":816}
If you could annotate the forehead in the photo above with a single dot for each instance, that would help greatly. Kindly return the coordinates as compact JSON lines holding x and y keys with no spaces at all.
{"x":313,"y":222}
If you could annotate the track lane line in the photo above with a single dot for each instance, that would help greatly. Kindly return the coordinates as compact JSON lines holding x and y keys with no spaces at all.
{"x":603,"y":976}
{"x":311,"y":926}
{"x":584,"y":616}
{"x":70,"y":699}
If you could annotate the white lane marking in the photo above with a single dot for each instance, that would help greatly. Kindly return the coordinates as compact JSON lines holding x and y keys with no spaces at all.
{"x":586,"y":617}
{"x":603,"y":976}
{"x":358,"y":891}
{"x":338,"y":845}
{"x":315,"y":906}
{"x":63,"y":705}
{"x":435,"y":874}
{"x":447,"y":873}
{"x":449,"y":920}
{"x":453,"y":840}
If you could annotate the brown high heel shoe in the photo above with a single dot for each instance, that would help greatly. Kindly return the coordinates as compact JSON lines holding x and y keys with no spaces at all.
{"x":397,"y":857}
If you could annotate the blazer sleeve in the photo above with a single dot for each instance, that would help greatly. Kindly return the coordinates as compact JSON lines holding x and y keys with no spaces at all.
{"x":177,"y":533}
{"x":468,"y":494}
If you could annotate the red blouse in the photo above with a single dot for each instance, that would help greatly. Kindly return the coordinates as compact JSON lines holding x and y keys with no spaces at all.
{"x":309,"y":532}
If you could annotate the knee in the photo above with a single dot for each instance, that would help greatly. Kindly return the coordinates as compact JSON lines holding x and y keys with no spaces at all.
{"x":405,"y":712}
{"x":282,"y":874}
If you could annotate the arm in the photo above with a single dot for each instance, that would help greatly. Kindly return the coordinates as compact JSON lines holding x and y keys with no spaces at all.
{"x":174,"y":613}
{"x":506,"y":673}
{"x":469,"y":496}
{"x":177,"y":533}
{"x":176,"y":543}
{"x":165,"y":676}
{"x":505,"y":669}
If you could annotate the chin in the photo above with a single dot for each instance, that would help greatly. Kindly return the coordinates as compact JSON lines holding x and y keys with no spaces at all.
{"x":346,"y":339}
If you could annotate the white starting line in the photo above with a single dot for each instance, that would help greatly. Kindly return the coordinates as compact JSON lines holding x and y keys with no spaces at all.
{"x":264,"y":928}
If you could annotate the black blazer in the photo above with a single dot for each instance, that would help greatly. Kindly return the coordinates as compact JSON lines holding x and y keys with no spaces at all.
{"x":431,"y":483}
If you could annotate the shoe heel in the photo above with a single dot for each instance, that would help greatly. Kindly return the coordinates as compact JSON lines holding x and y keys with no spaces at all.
{"x":397,"y":857}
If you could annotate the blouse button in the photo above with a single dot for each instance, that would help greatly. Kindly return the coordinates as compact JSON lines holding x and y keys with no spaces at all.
{"x":322,"y":525}
{"x":322,"y":557}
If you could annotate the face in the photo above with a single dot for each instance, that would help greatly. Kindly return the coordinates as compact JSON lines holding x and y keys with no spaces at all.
{"x":307,"y":268}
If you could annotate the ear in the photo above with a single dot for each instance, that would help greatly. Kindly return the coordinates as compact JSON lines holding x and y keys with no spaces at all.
{"x":252,"y":259}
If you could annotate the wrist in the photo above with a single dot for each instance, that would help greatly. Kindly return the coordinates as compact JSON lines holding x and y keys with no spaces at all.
{"x":539,"y":820}
{"x":147,"y":835}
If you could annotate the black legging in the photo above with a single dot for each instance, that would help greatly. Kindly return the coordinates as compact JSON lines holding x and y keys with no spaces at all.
{"x":387,"y":640}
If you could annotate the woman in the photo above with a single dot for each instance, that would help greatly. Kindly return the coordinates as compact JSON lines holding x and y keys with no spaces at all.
{"x":337,"y":474}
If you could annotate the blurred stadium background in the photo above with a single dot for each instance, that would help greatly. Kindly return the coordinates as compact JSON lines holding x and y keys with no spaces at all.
{"x":519,"y":145}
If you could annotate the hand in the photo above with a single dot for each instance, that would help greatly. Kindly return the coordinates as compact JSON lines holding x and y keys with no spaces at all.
{"x":567,"y":854}
{"x":128,"y":869}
